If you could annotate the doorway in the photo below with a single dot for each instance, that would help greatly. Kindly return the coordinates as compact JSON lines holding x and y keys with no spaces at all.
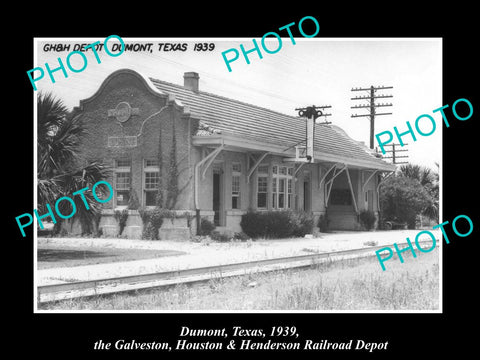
{"x":307,"y":194}
{"x":217,"y":196}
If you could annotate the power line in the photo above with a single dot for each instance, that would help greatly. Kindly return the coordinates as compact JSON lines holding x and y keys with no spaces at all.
{"x":394,"y":157}
{"x":148,"y":64}
{"x":371,"y":106}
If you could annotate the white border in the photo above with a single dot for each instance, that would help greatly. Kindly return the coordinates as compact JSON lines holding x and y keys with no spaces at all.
{"x":72,"y":39}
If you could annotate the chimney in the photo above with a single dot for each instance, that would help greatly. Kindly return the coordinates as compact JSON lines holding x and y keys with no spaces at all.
{"x":190,"y":81}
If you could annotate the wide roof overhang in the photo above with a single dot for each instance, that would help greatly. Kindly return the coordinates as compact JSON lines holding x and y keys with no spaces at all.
{"x":234,"y":143}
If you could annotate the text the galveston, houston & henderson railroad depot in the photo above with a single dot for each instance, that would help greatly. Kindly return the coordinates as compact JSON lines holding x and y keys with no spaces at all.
{"x":242,"y":339}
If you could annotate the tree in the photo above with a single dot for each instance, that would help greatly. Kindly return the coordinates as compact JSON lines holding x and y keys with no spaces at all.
{"x":172,"y":181}
{"x":421,"y":173}
{"x":429,"y":180}
{"x":58,"y":171}
{"x":402,"y":199}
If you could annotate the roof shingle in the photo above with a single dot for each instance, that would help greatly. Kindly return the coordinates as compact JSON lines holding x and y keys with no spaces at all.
{"x":255,"y":123}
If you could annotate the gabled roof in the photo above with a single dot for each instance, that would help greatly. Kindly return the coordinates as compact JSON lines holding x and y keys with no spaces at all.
{"x":254,"y":123}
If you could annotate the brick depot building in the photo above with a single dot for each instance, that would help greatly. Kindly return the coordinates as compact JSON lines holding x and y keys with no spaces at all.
{"x":228,"y":156}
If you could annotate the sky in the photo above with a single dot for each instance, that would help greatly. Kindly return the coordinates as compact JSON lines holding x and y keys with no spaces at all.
{"x":315,"y":71}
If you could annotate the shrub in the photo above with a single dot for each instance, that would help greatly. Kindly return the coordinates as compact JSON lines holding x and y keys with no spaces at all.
{"x":367,"y":219}
{"x":156,"y":217}
{"x":206,"y":227}
{"x":149,"y":232}
{"x":302,"y":223}
{"x":152,"y":221}
{"x":276,"y":224}
{"x":97,"y":217}
{"x":217,"y":236}
{"x":402,"y":199}
{"x":241,"y":236}
{"x":133,"y":202}
{"x":323,"y":223}
{"x":251,"y":224}
{"x":121,"y":216}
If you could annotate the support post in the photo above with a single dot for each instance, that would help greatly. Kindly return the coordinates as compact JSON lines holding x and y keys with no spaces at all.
{"x":297,"y":170}
{"x":335,"y":174}
{"x":210,"y":158}
{"x":351,"y":190}
{"x":196,"y":173}
{"x":324,"y":176}
{"x":368,"y":179}
{"x":378,"y":189}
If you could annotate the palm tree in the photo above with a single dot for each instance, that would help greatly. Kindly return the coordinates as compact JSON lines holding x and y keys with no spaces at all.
{"x":429,"y":181}
{"x":420,"y":173}
{"x":58,"y":171}
{"x":433,"y":189}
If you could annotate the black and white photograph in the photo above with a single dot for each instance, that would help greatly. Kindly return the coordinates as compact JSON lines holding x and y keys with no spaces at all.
{"x":299,"y":183}
{"x":258,"y":188}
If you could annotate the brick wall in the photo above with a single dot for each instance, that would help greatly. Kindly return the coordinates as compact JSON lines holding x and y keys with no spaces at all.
{"x":128,"y":86}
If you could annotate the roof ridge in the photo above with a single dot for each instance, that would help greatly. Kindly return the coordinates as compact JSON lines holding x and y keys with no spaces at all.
{"x":223,"y":97}
{"x":255,"y":122}
{"x":354,"y":142}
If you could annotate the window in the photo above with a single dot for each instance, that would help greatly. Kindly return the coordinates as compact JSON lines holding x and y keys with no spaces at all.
{"x":151,"y":181}
{"x":281,"y":193}
{"x":274,"y":193}
{"x":289,"y":193}
{"x":282,"y":190}
{"x":340,"y":197}
{"x":262,"y":169}
{"x":122,"y":181}
{"x":123,"y":163}
{"x":262,"y":188}
{"x":235,"y":192}
{"x":151,"y":163}
{"x":236,"y":173}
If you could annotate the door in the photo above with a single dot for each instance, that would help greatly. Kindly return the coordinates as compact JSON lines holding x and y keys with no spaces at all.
{"x":307,"y":195}
{"x":217,"y":196}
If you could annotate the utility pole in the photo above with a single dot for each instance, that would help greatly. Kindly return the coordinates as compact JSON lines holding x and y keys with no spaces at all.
{"x":323,"y":107}
{"x":371,"y":106}
{"x":311,"y":113}
{"x":304,"y":153}
{"x":394,"y":157}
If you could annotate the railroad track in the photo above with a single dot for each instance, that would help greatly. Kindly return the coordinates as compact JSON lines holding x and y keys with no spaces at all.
{"x":55,"y":292}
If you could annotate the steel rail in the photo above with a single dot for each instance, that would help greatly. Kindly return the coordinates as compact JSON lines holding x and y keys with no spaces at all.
{"x":63,"y":291}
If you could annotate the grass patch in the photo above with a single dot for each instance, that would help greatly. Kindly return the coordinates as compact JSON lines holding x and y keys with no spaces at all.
{"x":354,"y":284}
{"x":55,"y":256}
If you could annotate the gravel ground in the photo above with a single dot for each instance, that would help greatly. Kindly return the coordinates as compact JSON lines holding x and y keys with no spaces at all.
{"x":207,"y":253}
